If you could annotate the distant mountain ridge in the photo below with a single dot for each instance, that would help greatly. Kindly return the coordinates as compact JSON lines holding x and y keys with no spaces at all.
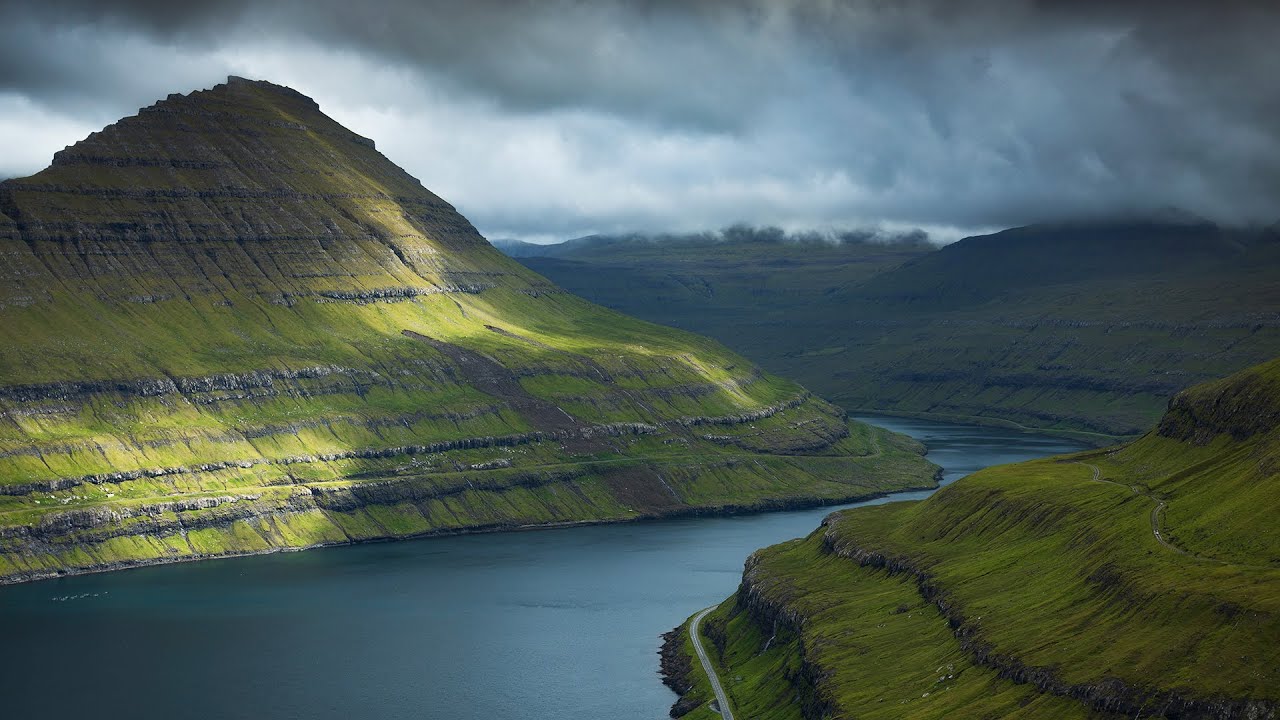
{"x":1070,"y":327}
{"x":1037,"y":256}
{"x":229,"y":325}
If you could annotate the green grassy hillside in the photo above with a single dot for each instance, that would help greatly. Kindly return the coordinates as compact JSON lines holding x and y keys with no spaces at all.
{"x":745,"y":280}
{"x":1086,"y":328}
{"x":229,"y":325}
{"x":1140,"y":581}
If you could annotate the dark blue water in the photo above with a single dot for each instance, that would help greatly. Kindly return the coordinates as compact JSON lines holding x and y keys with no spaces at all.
{"x":554,"y":624}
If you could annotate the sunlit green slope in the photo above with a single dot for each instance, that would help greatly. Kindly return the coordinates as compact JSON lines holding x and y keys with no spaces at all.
{"x":230,"y":325}
{"x":1139,"y":581}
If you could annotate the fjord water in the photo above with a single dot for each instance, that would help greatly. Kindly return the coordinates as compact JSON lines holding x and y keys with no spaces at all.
{"x":561,"y":623}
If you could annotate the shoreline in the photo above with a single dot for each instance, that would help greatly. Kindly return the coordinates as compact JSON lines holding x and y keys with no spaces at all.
{"x":1093,"y":439}
{"x":675,"y":667}
{"x":764,"y":506}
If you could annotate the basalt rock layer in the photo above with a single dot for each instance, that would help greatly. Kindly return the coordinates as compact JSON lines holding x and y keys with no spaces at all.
{"x":229,"y":325}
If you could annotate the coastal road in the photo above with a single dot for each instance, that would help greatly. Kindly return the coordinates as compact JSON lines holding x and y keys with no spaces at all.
{"x":721,"y":699}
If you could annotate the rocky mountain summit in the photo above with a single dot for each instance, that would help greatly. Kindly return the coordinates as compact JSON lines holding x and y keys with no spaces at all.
{"x":229,"y":325}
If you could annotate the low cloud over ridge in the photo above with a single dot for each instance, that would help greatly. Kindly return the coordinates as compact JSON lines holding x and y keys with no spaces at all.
{"x":559,"y":119}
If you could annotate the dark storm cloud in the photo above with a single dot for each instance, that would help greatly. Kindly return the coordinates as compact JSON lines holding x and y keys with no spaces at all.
{"x":559,"y":117}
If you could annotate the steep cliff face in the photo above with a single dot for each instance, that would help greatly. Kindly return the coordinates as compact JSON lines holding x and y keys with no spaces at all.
{"x":228,"y":325}
{"x":1143,"y":580}
{"x":1242,"y":406}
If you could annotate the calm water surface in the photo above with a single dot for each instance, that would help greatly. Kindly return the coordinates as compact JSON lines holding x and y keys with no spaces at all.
{"x":555,"y":624}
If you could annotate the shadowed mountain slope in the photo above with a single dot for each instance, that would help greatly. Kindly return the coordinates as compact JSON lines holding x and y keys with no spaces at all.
{"x":1085,"y":327}
{"x":229,"y":325}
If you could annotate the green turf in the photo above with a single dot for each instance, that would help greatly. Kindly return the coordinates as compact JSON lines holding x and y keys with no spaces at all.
{"x":1043,"y":574}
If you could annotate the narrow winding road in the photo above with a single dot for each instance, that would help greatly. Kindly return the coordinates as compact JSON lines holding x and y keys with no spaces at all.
{"x":1157,"y":521}
{"x":1155,"y":512}
{"x":721,"y":699}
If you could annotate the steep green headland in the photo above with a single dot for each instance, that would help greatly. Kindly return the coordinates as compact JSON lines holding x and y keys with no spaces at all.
{"x":1087,"y":328}
{"x":1138,"y":581}
{"x":229,"y":325}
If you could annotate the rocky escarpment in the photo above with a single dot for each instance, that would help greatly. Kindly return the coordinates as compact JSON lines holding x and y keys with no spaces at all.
{"x":471,"y":483}
{"x":1107,"y":695}
{"x":205,"y":389}
{"x":408,"y":451}
{"x":1241,"y":406}
{"x":784,"y":625}
{"x":491,"y":495}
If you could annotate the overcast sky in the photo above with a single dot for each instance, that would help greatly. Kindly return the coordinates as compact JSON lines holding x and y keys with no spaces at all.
{"x":554,"y":119}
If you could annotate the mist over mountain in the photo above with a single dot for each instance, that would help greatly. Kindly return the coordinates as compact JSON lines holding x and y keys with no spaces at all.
{"x":726,"y":238}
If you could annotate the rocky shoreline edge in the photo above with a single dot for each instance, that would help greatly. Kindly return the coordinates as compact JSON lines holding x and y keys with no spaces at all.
{"x":676,"y":669}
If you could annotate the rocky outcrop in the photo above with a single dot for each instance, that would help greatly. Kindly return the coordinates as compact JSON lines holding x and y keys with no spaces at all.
{"x":740,"y":418}
{"x":394,"y":294}
{"x":676,"y":668}
{"x":151,"y":387}
{"x":1242,"y":406}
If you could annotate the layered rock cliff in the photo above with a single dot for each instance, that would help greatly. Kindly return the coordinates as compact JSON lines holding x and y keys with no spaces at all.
{"x":229,"y":325}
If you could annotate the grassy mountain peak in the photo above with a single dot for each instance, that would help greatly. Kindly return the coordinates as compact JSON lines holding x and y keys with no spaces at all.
{"x":229,"y":325}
